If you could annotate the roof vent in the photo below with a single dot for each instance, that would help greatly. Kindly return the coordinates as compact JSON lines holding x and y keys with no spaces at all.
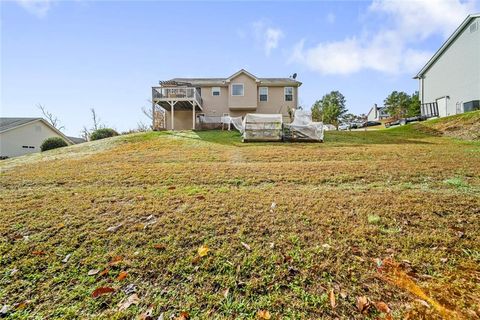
{"x":474,"y":27}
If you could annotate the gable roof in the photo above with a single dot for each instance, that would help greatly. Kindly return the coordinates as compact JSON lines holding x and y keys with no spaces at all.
{"x":7,"y":124}
{"x":239,"y":72}
{"x":10,"y":123}
{"x":224,"y":81}
{"x":447,"y":44}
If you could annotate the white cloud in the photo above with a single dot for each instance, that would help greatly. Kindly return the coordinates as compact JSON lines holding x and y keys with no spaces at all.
{"x":269,"y":37}
{"x":272,"y":37}
{"x":331,"y":18}
{"x":38,"y":8}
{"x":389,"y":49}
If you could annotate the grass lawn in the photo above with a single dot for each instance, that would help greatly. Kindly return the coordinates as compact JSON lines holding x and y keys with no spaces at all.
{"x":200,"y":225}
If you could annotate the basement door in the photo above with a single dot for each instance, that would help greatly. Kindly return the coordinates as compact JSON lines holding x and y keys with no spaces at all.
{"x":442,"y":107}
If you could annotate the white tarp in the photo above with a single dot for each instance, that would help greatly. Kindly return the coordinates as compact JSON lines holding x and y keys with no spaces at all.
{"x":262,"y":127}
{"x":303,"y":128}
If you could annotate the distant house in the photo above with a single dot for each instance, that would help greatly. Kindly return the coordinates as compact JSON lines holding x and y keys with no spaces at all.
{"x":377,"y":113}
{"x":189,"y":101}
{"x":19,"y":136}
{"x":450,"y":81}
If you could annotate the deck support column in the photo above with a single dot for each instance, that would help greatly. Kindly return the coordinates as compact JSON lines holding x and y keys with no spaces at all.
{"x":193,"y":115}
{"x":172,"y":113}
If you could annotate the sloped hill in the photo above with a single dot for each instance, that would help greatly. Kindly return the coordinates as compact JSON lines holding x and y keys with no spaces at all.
{"x":199,"y":223}
{"x":463,"y":126}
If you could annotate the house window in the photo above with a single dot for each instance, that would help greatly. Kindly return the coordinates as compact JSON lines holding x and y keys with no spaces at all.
{"x":237,"y":89}
{"x":215,"y":91}
{"x":288,"y":93}
{"x":263,"y":92}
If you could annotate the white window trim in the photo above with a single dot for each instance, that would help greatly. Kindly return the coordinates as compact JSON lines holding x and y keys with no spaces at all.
{"x":285,"y":94}
{"x":219,"y":91}
{"x":237,"y":95}
{"x":259,"y":93}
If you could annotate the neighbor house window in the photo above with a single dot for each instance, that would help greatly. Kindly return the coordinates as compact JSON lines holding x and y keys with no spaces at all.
{"x":237,"y":89}
{"x":263,"y":92}
{"x":215,"y":91}
{"x":288,"y":93}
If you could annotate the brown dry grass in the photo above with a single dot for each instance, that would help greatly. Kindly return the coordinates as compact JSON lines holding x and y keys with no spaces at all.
{"x":392,"y":194}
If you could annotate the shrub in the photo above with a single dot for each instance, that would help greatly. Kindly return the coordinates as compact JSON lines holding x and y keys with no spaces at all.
{"x":103,"y":133}
{"x":53,"y":143}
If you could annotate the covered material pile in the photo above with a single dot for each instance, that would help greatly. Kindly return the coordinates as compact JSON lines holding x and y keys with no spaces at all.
{"x":262,"y":127}
{"x":303,"y":128}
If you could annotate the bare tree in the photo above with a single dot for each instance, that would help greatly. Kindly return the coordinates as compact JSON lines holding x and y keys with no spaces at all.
{"x":85,"y":133}
{"x":53,"y":120}
{"x":142,"y":127}
{"x":96,"y":120}
{"x":156,"y":114}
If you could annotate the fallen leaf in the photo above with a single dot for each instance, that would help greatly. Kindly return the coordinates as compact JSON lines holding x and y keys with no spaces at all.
{"x":264,"y":314}
{"x":114,"y":228}
{"x":122,"y":275}
{"x":4,"y":311}
{"x":331,"y":295}
{"x":22,"y":305}
{"x":104,"y":272}
{"x":148,"y":314}
{"x":133,"y":299}
{"x":67,"y":257}
{"x":159,"y":246}
{"x":203,"y":251}
{"x":130,"y":288}
{"x":362,"y":304}
{"x":39,"y":252}
{"x":115,"y":260}
{"x":183,"y":316}
{"x":382,"y":307}
{"x":423,"y":302}
{"x":200,"y":197}
{"x":93,"y":272}
{"x":225,"y":293}
{"x":246,"y":246}
{"x":101,"y":291}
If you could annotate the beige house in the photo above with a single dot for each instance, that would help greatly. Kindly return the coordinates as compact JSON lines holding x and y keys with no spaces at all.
{"x":19,"y":136}
{"x":188,"y":100}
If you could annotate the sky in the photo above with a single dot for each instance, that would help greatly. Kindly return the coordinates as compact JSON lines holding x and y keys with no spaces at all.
{"x":71,"y":56}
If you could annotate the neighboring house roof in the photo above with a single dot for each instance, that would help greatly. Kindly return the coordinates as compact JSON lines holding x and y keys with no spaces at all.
{"x":223,"y":81}
{"x":7,"y":124}
{"x":10,"y":123}
{"x":446,"y":44}
{"x":77,"y":140}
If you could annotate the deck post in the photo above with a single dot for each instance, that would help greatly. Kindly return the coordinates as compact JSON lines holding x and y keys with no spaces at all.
{"x":172,"y":114}
{"x":193,"y":115}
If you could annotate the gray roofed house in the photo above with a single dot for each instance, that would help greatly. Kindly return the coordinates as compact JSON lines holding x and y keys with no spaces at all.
{"x":196,"y":103}
{"x":19,"y":136}
{"x":449,"y":83}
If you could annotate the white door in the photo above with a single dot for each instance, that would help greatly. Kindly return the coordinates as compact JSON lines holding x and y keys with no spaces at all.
{"x":442,"y":107}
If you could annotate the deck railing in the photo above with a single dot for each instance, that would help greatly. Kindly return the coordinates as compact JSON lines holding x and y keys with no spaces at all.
{"x":429,"y":110}
{"x":177,"y":93}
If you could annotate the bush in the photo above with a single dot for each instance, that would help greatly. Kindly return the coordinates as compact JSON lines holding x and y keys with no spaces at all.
{"x":103,"y":133}
{"x":53,"y":143}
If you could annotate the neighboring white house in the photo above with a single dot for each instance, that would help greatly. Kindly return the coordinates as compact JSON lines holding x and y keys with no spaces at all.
{"x":450,"y":81}
{"x":377,"y":113}
{"x":19,"y":136}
